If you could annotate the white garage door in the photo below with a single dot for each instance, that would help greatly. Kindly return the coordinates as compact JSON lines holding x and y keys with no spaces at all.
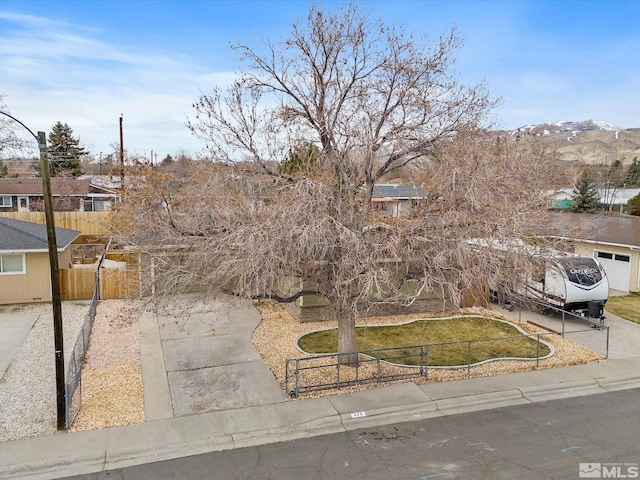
{"x":618,"y":268}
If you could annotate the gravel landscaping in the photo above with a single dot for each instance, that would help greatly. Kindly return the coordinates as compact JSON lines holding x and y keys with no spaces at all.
{"x":275,"y":341}
{"x":28,"y":388}
{"x":112,"y":391}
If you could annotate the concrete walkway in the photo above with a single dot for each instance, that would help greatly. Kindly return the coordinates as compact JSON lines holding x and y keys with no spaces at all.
{"x":196,"y":400}
{"x":202,"y":359}
{"x":14,"y":328}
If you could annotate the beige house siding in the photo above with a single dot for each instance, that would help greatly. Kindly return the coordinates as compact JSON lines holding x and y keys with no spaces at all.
{"x":590,"y":248}
{"x":64,"y":259}
{"x":34,"y":286}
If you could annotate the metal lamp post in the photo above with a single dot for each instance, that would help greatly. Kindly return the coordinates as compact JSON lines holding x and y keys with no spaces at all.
{"x":41,"y":138}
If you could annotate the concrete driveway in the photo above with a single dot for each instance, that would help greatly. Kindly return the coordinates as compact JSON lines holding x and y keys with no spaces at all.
{"x":197,"y":357}
{"x":623,"y":335}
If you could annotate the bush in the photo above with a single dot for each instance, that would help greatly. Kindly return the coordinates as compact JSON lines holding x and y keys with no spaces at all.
{"x":633,"y":206}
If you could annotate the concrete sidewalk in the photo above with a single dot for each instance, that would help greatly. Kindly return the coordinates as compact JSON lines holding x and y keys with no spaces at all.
{"x":201,"y":374}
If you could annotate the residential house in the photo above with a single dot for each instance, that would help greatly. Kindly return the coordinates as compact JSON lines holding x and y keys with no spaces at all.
{"x":613,"y":239}
{"x":24,"y":260}
{"x":615,"y":200}
{"x":68,"y":195}
{"x":396,"y":200}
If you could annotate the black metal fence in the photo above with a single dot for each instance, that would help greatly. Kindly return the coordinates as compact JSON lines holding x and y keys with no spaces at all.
{"x":335,"y":371}
{"x":73,"y":383}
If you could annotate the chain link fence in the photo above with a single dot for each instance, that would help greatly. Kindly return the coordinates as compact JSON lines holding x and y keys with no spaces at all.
{"x":73,"y":383}
{"x":335,"y":371}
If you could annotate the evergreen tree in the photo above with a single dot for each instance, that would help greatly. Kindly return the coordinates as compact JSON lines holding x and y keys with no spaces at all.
{"x":167,"y":161}
{"x":3,"y":169}
{"x":300,"y":159}
{"x":633,"y":174}
{"x":615,"y":175}
{"x":64,"y":152}
{"x":633,"y":205}
{"x":585,"y":195}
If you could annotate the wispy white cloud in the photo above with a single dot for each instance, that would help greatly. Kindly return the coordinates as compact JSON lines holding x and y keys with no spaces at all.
{"x":56,"y":71}
{"x":549,"y":61}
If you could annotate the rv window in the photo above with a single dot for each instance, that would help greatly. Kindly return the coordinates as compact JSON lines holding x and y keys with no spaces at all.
{"x":582,"y":270}
{"x":605,"y":255}
{"x":623,"y":258}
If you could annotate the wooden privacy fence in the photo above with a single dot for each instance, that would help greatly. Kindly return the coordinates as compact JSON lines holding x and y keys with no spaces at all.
{"x":89,"y":223}
{"x":119,"y":283}
{"x":78,"y":283}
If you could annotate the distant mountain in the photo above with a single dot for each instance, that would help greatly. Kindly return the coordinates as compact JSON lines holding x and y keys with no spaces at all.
{"x":589,"y":141}
{"x":562,"y":127}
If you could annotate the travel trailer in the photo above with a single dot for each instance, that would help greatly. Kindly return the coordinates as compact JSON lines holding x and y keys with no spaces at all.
{"x":565,"y":281}
{"x":572,"y":283}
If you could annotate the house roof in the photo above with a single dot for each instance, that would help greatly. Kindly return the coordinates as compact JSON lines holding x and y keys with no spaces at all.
{"x":612,"y":229}
{"x":33,"y":186}
{"x":397,"y":191}
{"x":19,"y":236}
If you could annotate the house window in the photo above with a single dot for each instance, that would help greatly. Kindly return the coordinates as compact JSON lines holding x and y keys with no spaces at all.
{"x":5,"y":201}
{"x":11,"y":264}
{"x":102,"y":205}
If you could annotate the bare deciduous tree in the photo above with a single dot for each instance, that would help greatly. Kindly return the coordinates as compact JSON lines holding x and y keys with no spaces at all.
{"x":374,"y":102}
{"x":10,"y":143}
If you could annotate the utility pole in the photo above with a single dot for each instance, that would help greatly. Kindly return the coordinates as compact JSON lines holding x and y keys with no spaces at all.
{"x":56,"y":299}
{"x":121,"y":159}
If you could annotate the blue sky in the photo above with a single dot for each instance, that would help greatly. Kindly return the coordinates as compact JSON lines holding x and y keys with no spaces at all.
{"x":86,"y":62}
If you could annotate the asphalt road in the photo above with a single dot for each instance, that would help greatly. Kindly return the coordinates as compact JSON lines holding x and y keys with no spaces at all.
{"x":545,"y":440}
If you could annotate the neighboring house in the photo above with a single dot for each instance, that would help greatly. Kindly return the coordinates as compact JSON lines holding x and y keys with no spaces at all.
{"x":396,"y":200}
{"x":562,"y":199}
{"x":613,"y":239}
{"x":68,"y":194}
{"x":615,"y":199}
{"x":24,"y":260}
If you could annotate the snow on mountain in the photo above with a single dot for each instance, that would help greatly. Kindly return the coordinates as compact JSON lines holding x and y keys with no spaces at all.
{"x":562,"y":127}
{"x":588,"y":141}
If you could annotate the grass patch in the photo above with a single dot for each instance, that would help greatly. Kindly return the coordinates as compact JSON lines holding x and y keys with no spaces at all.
{"x":488,"y":335}
{"x":625,"y":306}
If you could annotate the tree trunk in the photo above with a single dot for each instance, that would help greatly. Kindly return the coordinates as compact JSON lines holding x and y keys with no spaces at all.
{"x":347,"y":336}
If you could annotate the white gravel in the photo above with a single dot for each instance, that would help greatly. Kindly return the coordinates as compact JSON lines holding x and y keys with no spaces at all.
{"x":28,"y":387}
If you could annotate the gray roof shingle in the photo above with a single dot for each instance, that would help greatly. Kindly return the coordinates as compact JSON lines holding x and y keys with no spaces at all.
{"x":20,"y":236}
{"x":33,"y":186}
{"x":613,"y":229}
